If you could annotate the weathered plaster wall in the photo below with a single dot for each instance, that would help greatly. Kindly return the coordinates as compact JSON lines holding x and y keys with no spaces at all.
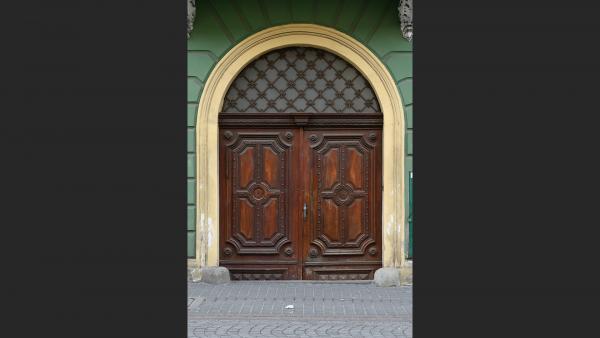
{"x":221,"y":24}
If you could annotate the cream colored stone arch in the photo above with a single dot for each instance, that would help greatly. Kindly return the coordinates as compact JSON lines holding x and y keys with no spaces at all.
{"x":211,"y":101}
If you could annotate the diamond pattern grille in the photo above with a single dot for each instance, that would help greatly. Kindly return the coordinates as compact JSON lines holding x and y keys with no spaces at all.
{"x":300,"y":79}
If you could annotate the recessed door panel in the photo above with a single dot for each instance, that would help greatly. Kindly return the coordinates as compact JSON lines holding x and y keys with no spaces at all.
{"x":258,"y":202}
{"x":342,"y":237}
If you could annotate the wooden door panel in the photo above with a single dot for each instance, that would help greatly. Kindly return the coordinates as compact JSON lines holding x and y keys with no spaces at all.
{"x":268,"y":174}
{"x":258,"y":195}
{"x":344,"y":194}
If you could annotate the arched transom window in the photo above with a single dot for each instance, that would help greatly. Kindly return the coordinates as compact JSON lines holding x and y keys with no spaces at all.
{"x":300,"y":79}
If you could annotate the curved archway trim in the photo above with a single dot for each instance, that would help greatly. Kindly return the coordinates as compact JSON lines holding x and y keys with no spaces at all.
{"x":211,"y":102}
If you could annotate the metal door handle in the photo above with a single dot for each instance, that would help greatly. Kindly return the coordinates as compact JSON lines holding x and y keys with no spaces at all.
{"x":304,"y":211}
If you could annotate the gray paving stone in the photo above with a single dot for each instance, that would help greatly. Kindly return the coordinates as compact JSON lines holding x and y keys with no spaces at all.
{"x":257,"y":309}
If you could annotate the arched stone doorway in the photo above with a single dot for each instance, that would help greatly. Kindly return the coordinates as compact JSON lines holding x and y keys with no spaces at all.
{"x":211,"y":103}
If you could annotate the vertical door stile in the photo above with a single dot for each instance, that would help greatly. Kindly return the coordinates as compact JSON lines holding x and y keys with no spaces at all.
{"x":301,"y":193}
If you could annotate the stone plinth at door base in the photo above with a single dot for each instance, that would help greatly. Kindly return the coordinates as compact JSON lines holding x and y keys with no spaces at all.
{"x":393,"y":276}
{"x":210,"y":274}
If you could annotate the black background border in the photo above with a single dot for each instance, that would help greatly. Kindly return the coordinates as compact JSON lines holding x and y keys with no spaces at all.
{"x":505,"y":101}
{"x":93,"y":173}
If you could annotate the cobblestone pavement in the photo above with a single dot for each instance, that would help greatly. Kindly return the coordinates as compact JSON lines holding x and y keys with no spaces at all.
{"x":298,"y":309}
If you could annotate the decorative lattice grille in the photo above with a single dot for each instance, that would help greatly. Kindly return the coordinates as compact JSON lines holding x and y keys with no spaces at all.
{"x":300,"y":79}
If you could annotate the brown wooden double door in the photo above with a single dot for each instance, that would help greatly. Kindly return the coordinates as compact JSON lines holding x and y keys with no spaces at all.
{"x":298,"y":203}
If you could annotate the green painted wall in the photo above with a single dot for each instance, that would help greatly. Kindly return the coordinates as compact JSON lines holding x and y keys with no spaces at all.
{"x":220,"y":24}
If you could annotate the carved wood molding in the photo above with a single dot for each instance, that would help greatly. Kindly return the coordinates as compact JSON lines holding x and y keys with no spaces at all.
{"x":257,"y":273}
{"x":293,"y":120}
{"x":342,"y":193}
{"x":259,"y":191}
